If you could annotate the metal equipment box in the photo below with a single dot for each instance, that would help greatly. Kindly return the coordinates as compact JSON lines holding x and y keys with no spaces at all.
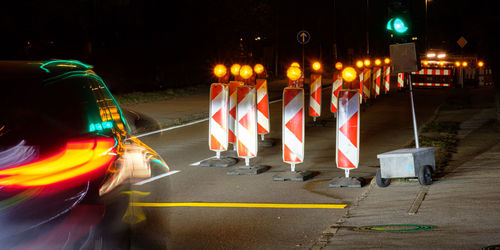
{"x":404,"y":163}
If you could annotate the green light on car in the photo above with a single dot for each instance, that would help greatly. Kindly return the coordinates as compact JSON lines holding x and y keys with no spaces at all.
{"x":100,"y":126}
{"x":64,"y":63}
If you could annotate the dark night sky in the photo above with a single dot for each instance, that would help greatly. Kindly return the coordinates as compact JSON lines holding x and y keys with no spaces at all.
{"x":152,"y":41}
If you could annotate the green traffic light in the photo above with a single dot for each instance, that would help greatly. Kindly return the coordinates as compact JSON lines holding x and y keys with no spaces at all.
{"x":397,"y":24}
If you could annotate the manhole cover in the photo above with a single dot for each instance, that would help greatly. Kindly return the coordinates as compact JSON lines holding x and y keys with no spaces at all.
{"x":494,"y":247}
{"x":396,"y":228}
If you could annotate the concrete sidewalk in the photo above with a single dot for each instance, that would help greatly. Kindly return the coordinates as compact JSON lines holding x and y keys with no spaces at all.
{"x":461,"y":209}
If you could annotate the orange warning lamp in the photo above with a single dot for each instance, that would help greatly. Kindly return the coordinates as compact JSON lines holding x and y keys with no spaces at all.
{"x":480,"y":64}
{"x":258,"y":68}
{"x":316,"y":66}
{"x":359,"y":64}
{"x":387,"y":60}
{"x":349,"y":74}
{"x":294,"y":73}
{"x":457,"y":63}
{"x":246,"y":71}
{"x":378,"y":62}
{"x":367,"y":62}
{"x":339,"y":66}
{"x":220,"y":70}
{"x":235,"y":69}
{"x":295,"y":64}
{"x":426,"y":63}
{"x":464,"y":64}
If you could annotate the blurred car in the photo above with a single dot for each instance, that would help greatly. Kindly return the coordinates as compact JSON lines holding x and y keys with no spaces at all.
{"x":66,"y":155}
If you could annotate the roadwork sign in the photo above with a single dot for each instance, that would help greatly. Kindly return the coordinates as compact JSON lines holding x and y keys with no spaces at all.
{"x":404,"y":57}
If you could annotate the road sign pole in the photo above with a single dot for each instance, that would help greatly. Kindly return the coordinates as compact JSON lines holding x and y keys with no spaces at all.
{"x":415,"y":130}
{"x":303,"y":65}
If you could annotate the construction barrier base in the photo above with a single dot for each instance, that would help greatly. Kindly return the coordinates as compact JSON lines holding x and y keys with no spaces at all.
{"x":249,"y":170}
{"x":293,"y":176}
{"x":317,"y":123}
{"x":343,"y":181}
{"x":222,"y":162}
{"x":267,"y":143}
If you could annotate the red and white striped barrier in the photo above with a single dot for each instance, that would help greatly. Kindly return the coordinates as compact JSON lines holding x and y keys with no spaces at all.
{"x":315,"y":96}
{"x":367,"y":83}
{"x":293,"y":126}
{"x":336,"y":87}
{"x":263,"y":126}
{"x":347,"y":156}
{"x":378,"y":73}
{"x":431,"y":84}
{"x":246,"y":126}
{"x":218,"y":123}
{"x":401,"y":81}
{"x":387,"y":78}
{"x":435,"y":72}
{"x":233,"y":86}
{"x":361,"y":83}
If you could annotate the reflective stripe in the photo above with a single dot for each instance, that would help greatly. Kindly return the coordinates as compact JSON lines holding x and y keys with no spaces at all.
{"x":315,"y":98}
{"x":336,"y":86}
{"x":387,"y":78}
{"x":293,"y":125}
{"x":347,"y":145}
{"x":431,"y":84}
{"x":262,"y":107}
{"x":218,"y":124}
{"x":233,"y":85}
{"x":378,"y":72}
{"x":246,"y":127}
{"x":401,"y":77}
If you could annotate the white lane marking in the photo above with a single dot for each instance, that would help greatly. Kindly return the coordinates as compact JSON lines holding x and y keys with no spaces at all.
{"x":193,"y":122}
{"x":173,"y":127}
{"x":157,"y":177}
{"x":182,"y":125}
{"x":198,"y":162}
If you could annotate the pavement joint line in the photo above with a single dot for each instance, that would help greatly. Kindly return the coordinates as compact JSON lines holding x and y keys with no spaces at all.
{"x":157,"y":177}
{"x":332,"y":230}
{"x":236,"y":205}
{"x":418,"y":200}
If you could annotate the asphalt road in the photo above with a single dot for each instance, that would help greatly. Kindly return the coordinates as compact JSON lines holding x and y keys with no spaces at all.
{"x":385,"y":125}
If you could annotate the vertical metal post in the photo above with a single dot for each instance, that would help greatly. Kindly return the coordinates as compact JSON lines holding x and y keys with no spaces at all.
{"x":367,"y":28}
{"x":303,"y":64}
{"x":415,"y":130}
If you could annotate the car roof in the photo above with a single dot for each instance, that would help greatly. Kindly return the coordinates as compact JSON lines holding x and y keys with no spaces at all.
{"x":40,"y":69}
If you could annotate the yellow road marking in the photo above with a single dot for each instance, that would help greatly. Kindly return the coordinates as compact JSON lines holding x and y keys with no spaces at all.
{"x":240,"y":205}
